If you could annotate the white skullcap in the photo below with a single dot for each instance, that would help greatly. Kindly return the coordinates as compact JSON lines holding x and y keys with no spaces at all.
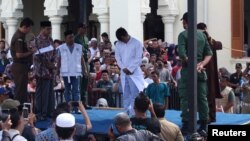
{"x":102,"y":102}
{"x":144,"y":60}
{"x":65,"y":120}
{"x":93,"y":40}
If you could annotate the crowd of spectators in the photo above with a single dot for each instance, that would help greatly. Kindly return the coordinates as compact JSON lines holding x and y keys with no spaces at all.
{"x":161,"y":67}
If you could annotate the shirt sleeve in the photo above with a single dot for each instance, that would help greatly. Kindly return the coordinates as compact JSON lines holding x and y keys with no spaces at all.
{"x":166,"y":90}
{"x":58,"y":53}
{"x":18,"y":45}
{"x":182,"y":46}
{"x":208,"y":50}
{"x":118,"y":57}
{"x":147,"y":90}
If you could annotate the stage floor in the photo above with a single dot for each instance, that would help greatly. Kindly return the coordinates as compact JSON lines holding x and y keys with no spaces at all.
{"x":102,"y":119}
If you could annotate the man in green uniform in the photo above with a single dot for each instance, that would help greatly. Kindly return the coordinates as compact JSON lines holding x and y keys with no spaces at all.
{"x":83,"y":40}
{"x":204,"y":55}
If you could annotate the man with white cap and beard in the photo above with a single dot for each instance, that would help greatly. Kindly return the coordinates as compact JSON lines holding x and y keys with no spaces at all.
{"x":65,"y":126}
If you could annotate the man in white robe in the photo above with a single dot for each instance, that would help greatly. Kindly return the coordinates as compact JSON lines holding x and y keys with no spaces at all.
{"x":128,"y":54}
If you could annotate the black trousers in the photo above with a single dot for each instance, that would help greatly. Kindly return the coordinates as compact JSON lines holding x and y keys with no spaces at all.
{"x":20,"y":77}
{"x":45,"y":98}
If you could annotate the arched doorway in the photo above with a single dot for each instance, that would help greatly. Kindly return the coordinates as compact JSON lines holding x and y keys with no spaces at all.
{"x":153,"y":25}
{"x":79,"y":12}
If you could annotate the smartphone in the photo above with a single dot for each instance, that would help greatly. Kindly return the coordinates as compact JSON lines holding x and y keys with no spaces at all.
{"x":25,"y":113}
{"x":4,"y":114}
{"x":74,"y":103}
{"x":28,"y":105}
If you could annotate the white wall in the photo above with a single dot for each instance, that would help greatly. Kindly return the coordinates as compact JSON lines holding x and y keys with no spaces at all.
{"x":125,"y":13}
{"x":178,"y":23}
{"x":135,"y":26}
{"x":219,"y":27}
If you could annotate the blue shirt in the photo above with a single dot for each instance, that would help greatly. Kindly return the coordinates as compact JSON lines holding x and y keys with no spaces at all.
{"x":157,"y":92}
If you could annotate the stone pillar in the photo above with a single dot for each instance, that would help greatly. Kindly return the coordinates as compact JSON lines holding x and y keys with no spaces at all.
{"x":55,"y":10}
{"x":12,"y":27}
{"x":104,"y":22}
{"x":168,"y":10}
{"x":11,"y":12}
{"x":101,"y":9}
{"x":168,"y":28}
{"x":6,"y":31}
{"x":56,"y":26}
{"x":145,"y":9}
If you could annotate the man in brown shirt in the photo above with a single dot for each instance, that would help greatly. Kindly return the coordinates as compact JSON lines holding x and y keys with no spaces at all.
{"x":22,"y":59}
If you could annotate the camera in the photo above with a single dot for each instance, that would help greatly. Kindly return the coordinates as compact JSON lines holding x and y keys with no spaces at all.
{"x":74,"y":103}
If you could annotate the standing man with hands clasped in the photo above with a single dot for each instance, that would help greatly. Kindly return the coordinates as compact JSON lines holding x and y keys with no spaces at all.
{"x":72,"y":65}
{"x":22,"y":59}
{"x":128,"y":54}
{"x":204,"y":54}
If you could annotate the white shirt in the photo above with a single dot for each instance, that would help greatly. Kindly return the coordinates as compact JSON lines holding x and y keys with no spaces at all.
{"x":129,"y":55}
{"x":94,"y":53}
{"x":1,"y":133}
{"x":71,"y":61}
{"x":13,"y":132}
{"x":148,"y":81}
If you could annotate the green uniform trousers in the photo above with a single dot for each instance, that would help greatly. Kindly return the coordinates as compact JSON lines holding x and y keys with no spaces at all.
{"x":201,"y":95}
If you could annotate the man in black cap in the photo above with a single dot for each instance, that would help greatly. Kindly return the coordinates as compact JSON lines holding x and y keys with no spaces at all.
{"x":235,"y":77}
{"x":44,"y":66}
{"x":204,"y":54}
{"x":235,"y":83}
{"x":82,"y":39}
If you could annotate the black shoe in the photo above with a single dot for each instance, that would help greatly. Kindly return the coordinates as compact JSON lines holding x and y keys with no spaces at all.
{"x":77,"y":112}
{"x":87,"y":107}
{"x":203,"y":126}
{"x":208,"y":122}
{"x":211,"y":120}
